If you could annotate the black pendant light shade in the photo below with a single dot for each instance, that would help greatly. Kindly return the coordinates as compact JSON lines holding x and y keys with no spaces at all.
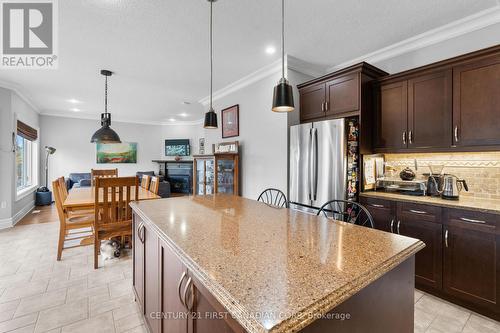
{"x":211,"y":116}
{"x":283,"y":97}
{"x":105,"y":134}
{"x":210,"y":119}
{"x":283,"y":92}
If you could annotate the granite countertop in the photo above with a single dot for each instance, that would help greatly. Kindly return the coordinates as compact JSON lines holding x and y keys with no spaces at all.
{"x":464,"y":202}
{"x":273,"y":269}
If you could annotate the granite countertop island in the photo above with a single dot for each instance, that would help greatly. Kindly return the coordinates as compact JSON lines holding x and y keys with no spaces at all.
{"x":257,"y":259}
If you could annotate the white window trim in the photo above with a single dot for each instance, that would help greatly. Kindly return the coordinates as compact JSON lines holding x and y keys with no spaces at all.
{"x":25,"y":192}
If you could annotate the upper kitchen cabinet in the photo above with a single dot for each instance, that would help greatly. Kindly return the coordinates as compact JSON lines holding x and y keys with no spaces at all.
{"x":476,"y":103}
{"x":414,"y":113}
{"x":391,"y":120}
{"x":312,"y":102}
{"x":344,"y":93}
{"x":429,"y":110}
{"x":452,"y":105}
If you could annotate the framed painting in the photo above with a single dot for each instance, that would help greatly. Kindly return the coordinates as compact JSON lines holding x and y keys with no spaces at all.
{"x":231,"y":121}
{"x":125,"y":152}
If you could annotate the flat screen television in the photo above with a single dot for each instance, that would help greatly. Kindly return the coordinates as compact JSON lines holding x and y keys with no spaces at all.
{"x":177,"y":147}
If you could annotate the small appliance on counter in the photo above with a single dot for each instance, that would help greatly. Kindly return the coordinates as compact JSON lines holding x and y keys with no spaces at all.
{"x":452,"y":186}
{"x":410,"y":187}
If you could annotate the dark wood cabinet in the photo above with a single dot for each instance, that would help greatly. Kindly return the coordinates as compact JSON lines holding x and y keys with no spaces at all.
{"x":312,"y":102}
{"x":471,"y":258}
{"x":138,"y":258}
{"x":424,"y":223}
{"x":342,"y":95}
{"x":382,"y":211}
{"x":452,"y":105}
{"x":173,"y":284}
{"x":461,"y":258}
{"x":152,"y":299}
{"x":476,"y":103}
{"x":430,"y":110}
{"x":392,"y":117}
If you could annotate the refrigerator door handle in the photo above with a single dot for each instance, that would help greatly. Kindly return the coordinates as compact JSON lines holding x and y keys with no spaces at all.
{"x":315,"y":163}
{"x":310,"y":175}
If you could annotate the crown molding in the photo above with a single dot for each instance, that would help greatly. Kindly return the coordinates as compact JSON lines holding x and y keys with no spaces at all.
{"x":19,"y":91}
{"x":84,"y":116}
{"x":291,"y":62}
{"x":451,"y":30}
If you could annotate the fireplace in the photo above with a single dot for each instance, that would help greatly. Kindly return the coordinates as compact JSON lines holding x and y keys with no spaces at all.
{"x":180,"y":176}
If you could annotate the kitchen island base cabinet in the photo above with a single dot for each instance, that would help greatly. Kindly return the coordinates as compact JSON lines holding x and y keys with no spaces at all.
{"x":172,"y":299}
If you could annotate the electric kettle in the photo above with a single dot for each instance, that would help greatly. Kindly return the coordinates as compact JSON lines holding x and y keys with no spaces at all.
{"x":452,"y":187}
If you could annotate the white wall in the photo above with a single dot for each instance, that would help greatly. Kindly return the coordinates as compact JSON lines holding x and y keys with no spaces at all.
{"x":472,"y":41}
{"x":13,"y":107}
{"x":75,"y":153}
{"x":263,"y":135}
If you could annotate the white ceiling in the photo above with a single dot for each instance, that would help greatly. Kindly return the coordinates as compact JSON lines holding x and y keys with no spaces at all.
{"x":158,"y":49}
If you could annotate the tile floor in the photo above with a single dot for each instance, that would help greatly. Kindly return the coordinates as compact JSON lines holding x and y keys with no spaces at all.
{"x":39,"y":294}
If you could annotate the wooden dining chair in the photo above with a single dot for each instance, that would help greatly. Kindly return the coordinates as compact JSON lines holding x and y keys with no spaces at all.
{"x":113,"y":215}
{"x":74,"y":229}
{"x":155,"y":184}
{"x":102,"y":173}
{"x":145,"y":181}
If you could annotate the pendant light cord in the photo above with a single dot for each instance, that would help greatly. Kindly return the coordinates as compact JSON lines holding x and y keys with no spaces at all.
{"x":283,"y":39}
{"x":211,"y":56}
{"x":106,"y":94}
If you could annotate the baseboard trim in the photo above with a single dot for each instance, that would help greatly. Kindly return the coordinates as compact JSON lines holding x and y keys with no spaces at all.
{"x":10,"y":222}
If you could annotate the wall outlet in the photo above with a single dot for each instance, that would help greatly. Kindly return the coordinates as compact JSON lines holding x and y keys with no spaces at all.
{"x":3,"y":204}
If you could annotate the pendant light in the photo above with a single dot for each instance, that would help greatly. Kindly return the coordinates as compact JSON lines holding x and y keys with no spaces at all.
{"x":283,"y":93}
{"x":105,"y":134}
{"x":211,"y":116}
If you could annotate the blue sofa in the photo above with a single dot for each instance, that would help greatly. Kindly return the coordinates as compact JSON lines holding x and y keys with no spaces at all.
{"x":78,"y":180}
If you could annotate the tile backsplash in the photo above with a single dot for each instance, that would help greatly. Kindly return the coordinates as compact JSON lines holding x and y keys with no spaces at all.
{"x":480,"y":170}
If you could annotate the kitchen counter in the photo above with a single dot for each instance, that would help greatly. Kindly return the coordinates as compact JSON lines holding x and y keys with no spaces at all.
{"x":258,"y":259}
{"x":482,"y":205}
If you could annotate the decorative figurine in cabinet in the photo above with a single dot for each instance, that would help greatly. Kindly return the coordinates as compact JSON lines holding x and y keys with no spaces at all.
{"x":217,"y":173}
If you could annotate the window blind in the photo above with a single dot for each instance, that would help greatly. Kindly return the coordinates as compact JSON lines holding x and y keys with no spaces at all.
{"x":26,"y":131}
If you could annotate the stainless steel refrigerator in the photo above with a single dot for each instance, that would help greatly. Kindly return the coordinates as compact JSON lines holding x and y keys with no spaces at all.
{"x":318,"y":163}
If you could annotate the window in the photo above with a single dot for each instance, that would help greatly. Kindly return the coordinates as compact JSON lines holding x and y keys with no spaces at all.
{"x":26,"y":161}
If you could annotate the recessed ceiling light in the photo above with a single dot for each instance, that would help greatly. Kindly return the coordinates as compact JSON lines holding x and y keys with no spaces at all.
{"x":184,"y":114}
{"x":75,"y":110}
{"x":74,"y":101}
{"x":270,"y":50}
{"x":186,"y":103}
{"x":172,"y":119}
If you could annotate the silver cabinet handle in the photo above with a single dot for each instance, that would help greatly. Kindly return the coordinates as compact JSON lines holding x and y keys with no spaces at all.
{"x":456,"y":133}
{"x":392,"y":225}
{"x":472,"y":221}
{"x":397,"y":228}
{"x":183,"y":276}
{"x":190,"y":288}
{"x":326,"y":106}
{"x":323,"y":106}
{"x":185,"y":293}
{"x":446,"y":238}
{"x":404,"y":137}
{"x":410,"y":136}
{"x":139,"y":231}
{"x":418,"y":211}
{"x":377,"y":206}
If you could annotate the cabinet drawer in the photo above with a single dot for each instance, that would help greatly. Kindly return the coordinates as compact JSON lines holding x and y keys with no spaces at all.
{"x":424,"y":212}
{"x":472,"y":220}
{"x":371,"y":203}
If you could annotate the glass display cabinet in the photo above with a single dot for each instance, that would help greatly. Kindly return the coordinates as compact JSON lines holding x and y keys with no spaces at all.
{"x":217,"y":173}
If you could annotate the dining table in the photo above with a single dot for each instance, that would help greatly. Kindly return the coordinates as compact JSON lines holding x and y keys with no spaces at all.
{"x":84,"y":197}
